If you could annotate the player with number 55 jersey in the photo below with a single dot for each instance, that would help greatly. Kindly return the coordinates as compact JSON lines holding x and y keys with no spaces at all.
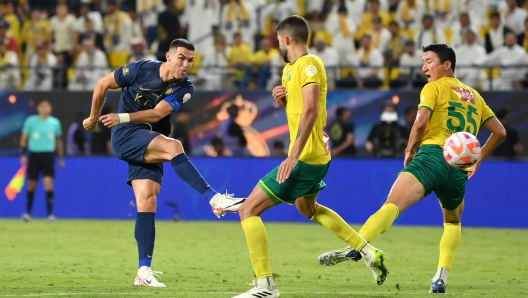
{"x":446,"y":106}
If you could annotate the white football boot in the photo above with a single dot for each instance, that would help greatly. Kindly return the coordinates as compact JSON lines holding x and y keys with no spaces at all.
{"x":147,"y":278}
{"x":225,"y":203}
{"x":260,"y":292}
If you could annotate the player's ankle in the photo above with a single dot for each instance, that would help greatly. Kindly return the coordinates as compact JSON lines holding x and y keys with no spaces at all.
{"x":267,"y":282}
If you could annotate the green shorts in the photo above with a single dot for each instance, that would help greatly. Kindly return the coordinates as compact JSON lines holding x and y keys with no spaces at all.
{"x":306,"y":180}
{"x":433,"y":172}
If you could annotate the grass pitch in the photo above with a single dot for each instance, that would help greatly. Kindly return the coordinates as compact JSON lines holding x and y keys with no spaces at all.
{"x":210,"y":259}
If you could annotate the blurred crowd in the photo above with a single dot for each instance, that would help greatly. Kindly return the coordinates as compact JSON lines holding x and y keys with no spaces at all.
{"x":50,"y":44}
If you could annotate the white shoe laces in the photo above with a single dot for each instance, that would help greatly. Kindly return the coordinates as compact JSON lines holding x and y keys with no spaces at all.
{"x":231,"y":195}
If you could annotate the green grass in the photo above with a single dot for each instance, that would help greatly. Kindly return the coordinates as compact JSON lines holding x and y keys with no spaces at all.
{"x":210,"y":259}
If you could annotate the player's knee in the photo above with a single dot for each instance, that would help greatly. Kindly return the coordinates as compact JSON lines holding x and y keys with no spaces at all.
{"x":146,"y":204}
{"x":308,"y":210}
{"x":175,"y":148}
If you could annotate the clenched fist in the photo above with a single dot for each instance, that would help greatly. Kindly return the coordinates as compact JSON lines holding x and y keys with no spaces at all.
{"x":90,"y":124}
{"x":279,"y":94}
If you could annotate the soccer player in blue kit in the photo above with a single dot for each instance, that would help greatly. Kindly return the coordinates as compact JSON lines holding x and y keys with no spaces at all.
{"x":151,"y":91}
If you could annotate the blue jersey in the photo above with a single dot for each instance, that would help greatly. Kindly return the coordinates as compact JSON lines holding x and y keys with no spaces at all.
{"x":143,"y":88}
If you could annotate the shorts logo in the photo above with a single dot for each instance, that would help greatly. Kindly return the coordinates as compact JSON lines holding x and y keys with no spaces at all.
{"x":186,"y":97}
{"x":310,"y":70}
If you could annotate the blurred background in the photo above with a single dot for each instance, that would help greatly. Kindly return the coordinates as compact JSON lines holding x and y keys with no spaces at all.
{"x":232,"y":128}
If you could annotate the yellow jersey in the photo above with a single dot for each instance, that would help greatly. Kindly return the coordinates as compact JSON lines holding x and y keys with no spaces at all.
{"x":306,"y":71}
{"x":455,"y":107}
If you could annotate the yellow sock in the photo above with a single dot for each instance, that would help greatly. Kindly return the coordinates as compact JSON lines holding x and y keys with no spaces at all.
{"x":449,"y":245}
{"x":257,"y":240}
{"x":333,"y":222}
{"x":380,"y":221}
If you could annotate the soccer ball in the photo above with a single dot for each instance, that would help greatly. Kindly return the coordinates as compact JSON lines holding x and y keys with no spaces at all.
{"x":461,"y":150}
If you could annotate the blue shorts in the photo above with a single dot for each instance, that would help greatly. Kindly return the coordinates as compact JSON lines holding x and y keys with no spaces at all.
{"x":129,"y":142}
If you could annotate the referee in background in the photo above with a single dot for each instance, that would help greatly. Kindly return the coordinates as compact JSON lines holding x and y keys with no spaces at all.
{"x":41,"y":137}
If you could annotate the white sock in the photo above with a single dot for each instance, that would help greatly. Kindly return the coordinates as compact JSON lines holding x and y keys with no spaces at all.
{"x":365,"y":249}
{"x":266,"y":282}
{"x":442,"y":274}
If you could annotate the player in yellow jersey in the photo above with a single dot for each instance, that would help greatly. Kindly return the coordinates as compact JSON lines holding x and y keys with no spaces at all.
{"x":299,"y":179}
{"x":446,"y":106}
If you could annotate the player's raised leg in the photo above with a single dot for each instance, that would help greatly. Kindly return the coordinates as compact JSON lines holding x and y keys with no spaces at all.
{"x":146,"y":191}
{"x":163,"y":149}
{"x":449,"y":244}
{"x":257,"y":240}
{"x":329,"y":219}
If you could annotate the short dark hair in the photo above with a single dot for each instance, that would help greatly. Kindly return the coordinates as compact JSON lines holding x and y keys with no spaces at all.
{"x":296,"y":27}
{"x":444,"y":53}
{"x":180,"y":42}
{"x":495,"y":14}
{"x":278,"y":144}
{"x":340,"y":111}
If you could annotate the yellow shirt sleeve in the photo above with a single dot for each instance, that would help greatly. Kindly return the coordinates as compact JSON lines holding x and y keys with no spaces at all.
{"x":310,"y":72}
{"x":428,"y":97}
{"x":487,"y":113}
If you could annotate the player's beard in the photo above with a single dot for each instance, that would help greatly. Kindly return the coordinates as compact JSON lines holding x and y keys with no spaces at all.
{"x":284,"y":53}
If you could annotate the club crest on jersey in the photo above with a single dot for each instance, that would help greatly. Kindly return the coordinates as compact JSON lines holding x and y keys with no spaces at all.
{"x":126,"y":70}
{"x":288,"y":75}
{"x":169,"y":91}
{"x":186,"y":97}
{"x":310,"y":70}
{"x":465,"y":94}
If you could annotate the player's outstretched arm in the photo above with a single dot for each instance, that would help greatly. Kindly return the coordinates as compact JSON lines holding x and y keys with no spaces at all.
{"x":308,"y":118}
{"x":498,"y":134}
{"x":98,"y":99}
{"x":162,"y":110}
{"x":417,"y":133}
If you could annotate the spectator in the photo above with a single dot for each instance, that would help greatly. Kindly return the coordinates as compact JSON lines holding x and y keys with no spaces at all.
{"x":522,"y":39}
{"x":341,"y":27}
{"x":9,"y":41}
{"x":278,"y":10}
{"x":63,"y":33}
{"x":214,"y":65}
{"x":234,"y":137}
{"x":261,"y":60}
{"x":394,"y":48}
{"x":460,"y":28}
{"x":90,"y":33}
{"x":366,"y":25}
{"x":409,"y":14}
{"x":514,"y":17}
{"x":41,"y":66}
{"x":467,"y":54}
{"x":136,"y":24}
{"x":429,"y":34}
{"x":272,"y":36}
{"x":180,"y":130}
{"x":494,"y":37}
{"x":14,"y":21}
{"x":86,"y":14}
{"x":239,"y":58}
{"x":237,"y":16}
{"x":9,"y":69}
{"x":139,"y":51}
{"x":148,"y":12}
{"x":278,"y":149}
{"x":385,"y":138}
{"x":511,"y":146}
{"x":507,"y":57}
{"x":411,"y":64}
{"x":355,"y":9}
{"x":118,"y":26}
{"x":330,"y":59}
{"x":380,"y":35}
{"x":369,"y":72}
{"x":444,"y":12}
{"x":91,"y":65}
{"x":478,"y":12}
{"x":100,"y":142}
{"x":169,"y":28}
{"x":201,"y":17}
{"x":34,"y":31}
{"x":342,"y":134}
{"x":75,"y":139}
